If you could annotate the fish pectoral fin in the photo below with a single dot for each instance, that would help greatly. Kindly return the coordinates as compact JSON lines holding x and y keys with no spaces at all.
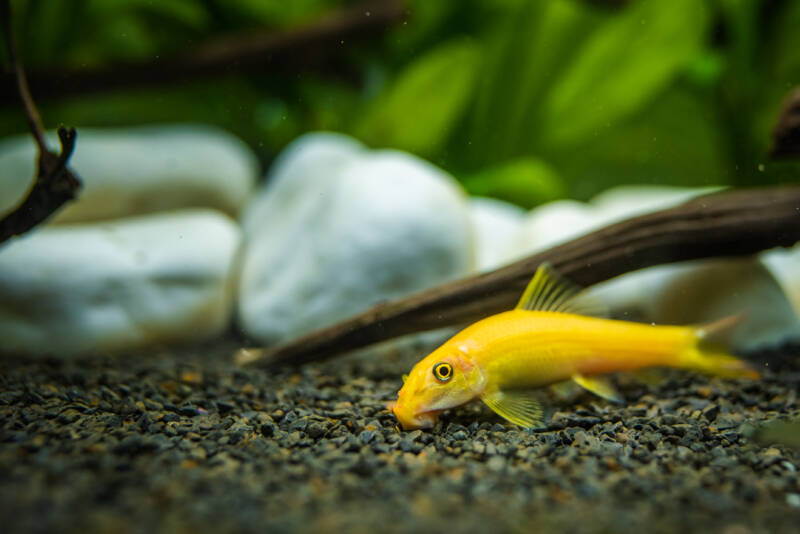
{"x":547,"y":291}
{"x":598,"y":385}
{"x":521,"y":407}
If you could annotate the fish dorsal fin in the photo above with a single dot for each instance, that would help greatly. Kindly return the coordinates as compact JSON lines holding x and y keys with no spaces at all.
{"x":598,"y":385}
{"x":518,"y":406}
{"x":547,"y":291}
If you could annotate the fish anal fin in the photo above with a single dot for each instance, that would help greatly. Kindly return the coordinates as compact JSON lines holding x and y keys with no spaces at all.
{"x":598,"y":385}
{"x":547,"y":291}
{"x":566,"y":389}
{"x":521,"y":407}
{"x":652,"y":376}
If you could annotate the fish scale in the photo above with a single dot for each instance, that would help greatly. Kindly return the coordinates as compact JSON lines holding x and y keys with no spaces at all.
{"x":545,"y":340}
{"x":544,"y":347}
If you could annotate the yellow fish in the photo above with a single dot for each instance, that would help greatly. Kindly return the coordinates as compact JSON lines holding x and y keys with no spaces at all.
{"x":549,"y":338}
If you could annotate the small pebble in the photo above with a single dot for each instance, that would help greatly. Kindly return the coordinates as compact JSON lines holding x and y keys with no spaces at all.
{"x":100,"y":445}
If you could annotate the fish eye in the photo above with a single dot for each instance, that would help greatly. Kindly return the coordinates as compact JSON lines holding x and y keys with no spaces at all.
{"x":443,"y":371}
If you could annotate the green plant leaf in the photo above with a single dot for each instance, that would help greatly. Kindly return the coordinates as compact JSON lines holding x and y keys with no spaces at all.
{"x":779,"y":67}
{"x":525,"y":55}
{"x":526,"y":182}
{"x":420,"y":108}
{"x":622,"y":66}
{"x":675,"y":140}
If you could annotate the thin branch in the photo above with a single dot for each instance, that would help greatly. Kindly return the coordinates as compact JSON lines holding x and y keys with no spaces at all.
{"x":317,"y":43}
{"x":31,"y":113}
{"x":55,"y":183}
{"x":734,"y":223}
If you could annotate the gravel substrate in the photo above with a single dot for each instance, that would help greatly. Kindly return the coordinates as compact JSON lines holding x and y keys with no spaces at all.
{"x":183,"y":441}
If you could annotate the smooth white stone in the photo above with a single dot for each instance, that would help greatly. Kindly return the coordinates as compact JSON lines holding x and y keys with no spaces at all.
{"x":557,"y":222}
{"x":313,"y":158}
{"x":340,"y":229}
{"x":627,"y":201}
{"x":702,"y":291}
{"x":118,"y":285}
{"x":140,"y":170}
{"x":784,"y":265}
{"x":552,"y":224}
{"x":684,"y":293}
{"x":494,"y":224}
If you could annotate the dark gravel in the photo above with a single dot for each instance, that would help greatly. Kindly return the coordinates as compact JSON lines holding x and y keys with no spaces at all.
{"x":183,"y":441}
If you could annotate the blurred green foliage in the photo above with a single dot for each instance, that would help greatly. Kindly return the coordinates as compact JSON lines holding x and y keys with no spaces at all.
{"x":524,"y":100}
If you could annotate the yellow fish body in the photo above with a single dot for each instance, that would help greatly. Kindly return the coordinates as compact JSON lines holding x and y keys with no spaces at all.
{"x":546,"y":339}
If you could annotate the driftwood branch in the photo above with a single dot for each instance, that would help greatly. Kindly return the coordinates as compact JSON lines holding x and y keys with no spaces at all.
{"x":734,"y":223}
{"x":316,"y":44}
{"x":55,"y":183}
{"x":786,"y":136}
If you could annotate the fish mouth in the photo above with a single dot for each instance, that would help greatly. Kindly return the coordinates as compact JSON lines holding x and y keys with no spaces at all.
{"x":413,"y":421}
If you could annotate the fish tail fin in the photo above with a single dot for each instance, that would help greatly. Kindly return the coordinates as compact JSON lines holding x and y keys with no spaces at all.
{"x":707,"y":355}
{"x":718,"y":362}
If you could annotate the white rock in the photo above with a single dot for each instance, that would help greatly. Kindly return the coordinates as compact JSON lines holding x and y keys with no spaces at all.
{"x":701,"y":291}
{"x":494,"y":224}
{"x":557,"y":222}
{"x":631,"y":200}
{"x":684,"y":293}
{"x":340,"y":229}
{"x":784,"y":265}
{"x":140,"y":170}
{"x":118,"y":285}
{"x":312,"y":157}
{"x":552,"y":224}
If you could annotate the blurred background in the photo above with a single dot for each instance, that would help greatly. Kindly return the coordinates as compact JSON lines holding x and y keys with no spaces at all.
{"x":527,"y":101}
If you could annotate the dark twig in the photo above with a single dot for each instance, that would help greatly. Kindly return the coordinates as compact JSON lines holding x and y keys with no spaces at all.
{"x":318,"y":43}
{"x":734,"y":223}
{"x":786,"y":136}
{"x":31,"y":113}
{"x":55,"y":183}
